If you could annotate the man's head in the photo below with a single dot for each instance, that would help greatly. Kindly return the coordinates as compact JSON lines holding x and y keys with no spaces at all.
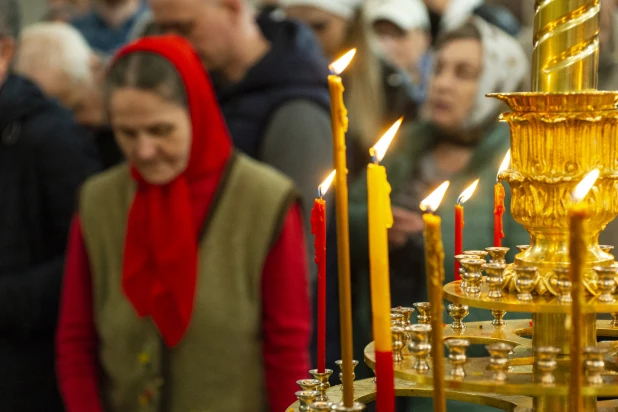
{"x":402,"y":27}
{"x":57,"y":58}
{"x":216,"y":28}
{"x":10,"y":25}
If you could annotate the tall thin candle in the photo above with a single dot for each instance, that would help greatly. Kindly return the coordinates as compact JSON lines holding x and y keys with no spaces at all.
{"x":318,"y":229}
{"x":380,"y":220}
{"x":459,"y":223}
{"x":499,"y":202}
{"x":339,"y":117}
{"x":434,"y":263}
{"x":578,"y":213}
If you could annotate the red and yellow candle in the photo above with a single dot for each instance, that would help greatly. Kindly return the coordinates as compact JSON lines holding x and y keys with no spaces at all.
{"x":380,"y":220}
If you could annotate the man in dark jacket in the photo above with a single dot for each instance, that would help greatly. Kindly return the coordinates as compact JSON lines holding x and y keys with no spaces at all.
{"x":271,"y":80}
{"x":43,"y":159}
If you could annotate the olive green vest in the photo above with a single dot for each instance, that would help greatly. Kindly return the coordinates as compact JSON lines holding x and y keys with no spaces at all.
{"x":217,"y":367}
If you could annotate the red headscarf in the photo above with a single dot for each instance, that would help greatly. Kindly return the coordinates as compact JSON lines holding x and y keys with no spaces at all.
{"x":161,"y":245}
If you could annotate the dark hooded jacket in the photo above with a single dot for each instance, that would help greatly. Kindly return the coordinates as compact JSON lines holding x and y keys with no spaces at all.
{"x":44,"y":157}
{"x":279,"y":113}
{"x":293,"y":69}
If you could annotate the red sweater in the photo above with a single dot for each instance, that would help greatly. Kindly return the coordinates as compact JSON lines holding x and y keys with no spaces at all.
{"x":285,"y":320}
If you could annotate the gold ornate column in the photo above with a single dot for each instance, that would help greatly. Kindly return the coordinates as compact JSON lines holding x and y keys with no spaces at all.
{"x":566,"y":45}
{"x":559,"y":132}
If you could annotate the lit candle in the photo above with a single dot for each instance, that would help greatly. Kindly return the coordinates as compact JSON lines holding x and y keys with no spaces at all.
{"x":434,"y":268}
{"x":578,"y":213}
{"x":459,"y":223}
{"x":318,"y":229}
{"x":380,"y":220}
{"x":339,"y":117}
{"x":499,"y":202}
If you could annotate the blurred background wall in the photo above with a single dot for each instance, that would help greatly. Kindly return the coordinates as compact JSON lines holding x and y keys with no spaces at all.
{"x":32,"y":10}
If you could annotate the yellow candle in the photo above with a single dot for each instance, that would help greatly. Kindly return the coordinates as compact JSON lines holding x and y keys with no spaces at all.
{"x":578,"y":213}
{"x":339,"y":116}
{"x":380,"y":220}
{"x":434,"y":271}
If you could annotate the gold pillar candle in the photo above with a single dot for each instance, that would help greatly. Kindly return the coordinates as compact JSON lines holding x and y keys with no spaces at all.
{"x":339,"y":116}
{"x":578,"y":213}
{"x":566,"y":45}
{"x":434,"y":268}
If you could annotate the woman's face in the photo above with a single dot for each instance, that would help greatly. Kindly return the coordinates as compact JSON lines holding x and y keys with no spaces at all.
{"x":454,"y":84}
{"x":331,"y":30}
{"x":153,"y":133}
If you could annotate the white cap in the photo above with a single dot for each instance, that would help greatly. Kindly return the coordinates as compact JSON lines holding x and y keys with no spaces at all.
{"x":405,"y":14}
{"x":342,"y":8}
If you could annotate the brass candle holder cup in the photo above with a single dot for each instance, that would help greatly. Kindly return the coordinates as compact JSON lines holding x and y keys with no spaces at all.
{"x":564,"y":285}
{"x":397,"y":333}
{"x":321,"y":406}
{"x":423,"y":310}
{"x":405,"y":312}
{"x":458,"y":313}
{"x":473,"y":275}
{"x":595,"y":364}
{"x":499,"y":360}
{"x":457,"y":356}
{"x":480,"y":254}
{"x":497,"y":254}
{"x":419,"y":346}
{"x":397,"y":319}
{"x":498,"y":315}
{"x":306,"y":398}
{"x":339,"y":363}
{"x":309,"y":384}
{"x":323,"y":378}
{"x":526,"y":277}
{"x":494,"y":280}
{"x":606,"y":282}
{"x":462,"y":271}
{"x":545,"y":363}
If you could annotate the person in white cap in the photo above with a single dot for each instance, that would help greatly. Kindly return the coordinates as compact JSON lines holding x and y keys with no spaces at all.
{"x":450,"y":14}
{"x":377,"y":94}
{"x":402,"y":30}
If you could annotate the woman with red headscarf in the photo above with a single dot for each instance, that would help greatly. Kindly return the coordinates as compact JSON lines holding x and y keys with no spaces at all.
{"x":185,"y":285}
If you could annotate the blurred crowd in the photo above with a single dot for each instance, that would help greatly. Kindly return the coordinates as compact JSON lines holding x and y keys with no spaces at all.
{"x":140,"y":139}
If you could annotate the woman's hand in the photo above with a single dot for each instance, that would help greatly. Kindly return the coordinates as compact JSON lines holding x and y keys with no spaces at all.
{"x":405,"y":224}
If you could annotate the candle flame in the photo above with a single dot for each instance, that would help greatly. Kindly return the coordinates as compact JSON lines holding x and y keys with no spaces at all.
{"x":467,"y":194}
{"x":323,"y":188}
{"x":505,"y":163}
{"x":339,"y":66}
{"x":432,"y":202}
{"x":582,"y":189}
{"x":380,"y":148}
